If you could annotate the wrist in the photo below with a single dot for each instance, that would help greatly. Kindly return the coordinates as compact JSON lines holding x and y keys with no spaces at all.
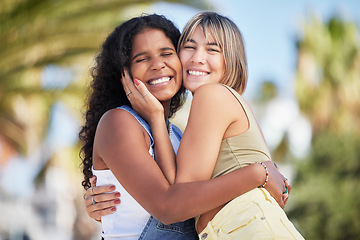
{"x":156,"y":120}
{"x":266,"y":179}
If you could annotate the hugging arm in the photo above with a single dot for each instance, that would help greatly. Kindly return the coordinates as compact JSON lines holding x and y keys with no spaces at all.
{"x":106,"y":200}
{"x":143,"y":179}
{"x":209,"y":118}
{"x":125,"y":152}
{"x":154,"y":114}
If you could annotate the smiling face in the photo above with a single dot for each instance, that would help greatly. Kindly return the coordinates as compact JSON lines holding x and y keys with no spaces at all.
{"x":202,"y":60}
{"x":154,"y":62}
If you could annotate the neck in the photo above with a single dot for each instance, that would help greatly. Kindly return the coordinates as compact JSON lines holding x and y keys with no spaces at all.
{"x":166,"y":106}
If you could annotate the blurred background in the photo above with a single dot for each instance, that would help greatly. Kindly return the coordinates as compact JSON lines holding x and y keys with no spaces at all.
{"x":304,"y":86}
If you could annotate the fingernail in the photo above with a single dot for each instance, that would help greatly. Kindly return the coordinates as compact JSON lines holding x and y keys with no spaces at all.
{"x":137,"y":82}
{"x":113,"y":209}
{"x":112,"y":188}
{"x":117,"y":194}
{"x":117,"y":201}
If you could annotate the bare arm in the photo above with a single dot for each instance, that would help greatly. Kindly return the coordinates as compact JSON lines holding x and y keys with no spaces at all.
{"x":216,"y":115}
{"x":205,"y":128}
{"x":105,"y":200}
{"x":150,"y":109}
{"x":122,"y":144}
{"x":210,"y":115}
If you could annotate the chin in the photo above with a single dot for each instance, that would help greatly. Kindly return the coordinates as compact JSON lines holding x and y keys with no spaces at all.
{"x":191,"y":87}
{"x":165,"y":96}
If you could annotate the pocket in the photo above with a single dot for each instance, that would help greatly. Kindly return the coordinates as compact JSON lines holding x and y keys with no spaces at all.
{"x":245,"y":223}
{"x":240,"y":217}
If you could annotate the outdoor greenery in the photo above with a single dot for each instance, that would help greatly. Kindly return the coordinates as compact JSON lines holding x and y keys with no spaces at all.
{"x":36,"y":34}
{"x":327,"y":202}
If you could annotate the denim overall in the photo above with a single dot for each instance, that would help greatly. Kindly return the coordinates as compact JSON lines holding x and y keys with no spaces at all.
{"x":155,"y":230}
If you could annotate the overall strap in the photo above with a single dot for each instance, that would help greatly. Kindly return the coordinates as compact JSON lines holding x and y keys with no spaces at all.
{"x":140,"y":120}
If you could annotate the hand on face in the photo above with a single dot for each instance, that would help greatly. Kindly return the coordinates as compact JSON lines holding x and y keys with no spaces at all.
{"x":142,"y":101}
{"x":154,"y":61}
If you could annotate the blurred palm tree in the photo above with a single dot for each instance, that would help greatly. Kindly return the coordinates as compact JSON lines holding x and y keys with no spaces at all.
{"x":328,"y":92}
{"x":38,"y":36}
{"x":36,"y":33}
{"x":328,"y":81}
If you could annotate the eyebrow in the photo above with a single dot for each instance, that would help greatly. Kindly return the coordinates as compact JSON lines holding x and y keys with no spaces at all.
{"x":161,"y":49}
{"x":209,"y":43}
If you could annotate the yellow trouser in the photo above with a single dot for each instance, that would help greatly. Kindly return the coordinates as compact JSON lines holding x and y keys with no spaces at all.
{"x":253,"y":215}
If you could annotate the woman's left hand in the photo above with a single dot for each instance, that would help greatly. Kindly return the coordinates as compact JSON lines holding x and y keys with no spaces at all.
{"x":100,"y":200}
{"x":142,"y":101}
{"x":278,"y":186}
{"x":286,"y":194}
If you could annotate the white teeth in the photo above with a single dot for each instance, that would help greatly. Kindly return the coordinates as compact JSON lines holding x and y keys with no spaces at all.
{"x":160,"y":80}
{"x":197,"y":73}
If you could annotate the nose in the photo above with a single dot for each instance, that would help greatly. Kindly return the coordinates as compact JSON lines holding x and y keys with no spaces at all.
{"x":157,"y":64}
{"x":198,"y":56}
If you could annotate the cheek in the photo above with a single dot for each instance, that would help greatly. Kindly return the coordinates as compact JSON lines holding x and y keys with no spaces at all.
{"x":184,"y":57}
{"x":137,"y":72}
{"x":177,"y":66}
{"x":220,"y":63}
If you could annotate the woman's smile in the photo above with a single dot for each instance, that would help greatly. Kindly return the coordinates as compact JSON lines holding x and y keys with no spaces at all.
{"x":156,"y":64}
{"x":202,"y":60}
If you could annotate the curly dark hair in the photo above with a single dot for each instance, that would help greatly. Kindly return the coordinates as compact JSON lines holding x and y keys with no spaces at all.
{"x":106,"y":89}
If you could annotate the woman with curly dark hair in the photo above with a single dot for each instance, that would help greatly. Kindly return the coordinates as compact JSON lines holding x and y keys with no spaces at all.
{"x":107,"y":91}
{"x":119,"y":148}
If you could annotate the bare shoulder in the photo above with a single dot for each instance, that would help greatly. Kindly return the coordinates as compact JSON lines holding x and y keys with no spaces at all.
{"x":213,"y":93}
{"x":211,"y":89}
{"x":213,"y":101}
{"x":118,"y":117}
{"x":115,"y":116}
{"x":117,"y":129}
{"x":119,"y":124}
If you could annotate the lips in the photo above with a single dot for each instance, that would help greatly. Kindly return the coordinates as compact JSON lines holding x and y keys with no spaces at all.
{"x":160,"y":80}
{"x":197,"y":73}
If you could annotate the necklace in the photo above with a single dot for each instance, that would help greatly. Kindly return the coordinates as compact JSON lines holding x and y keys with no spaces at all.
{"x":169,"y":127}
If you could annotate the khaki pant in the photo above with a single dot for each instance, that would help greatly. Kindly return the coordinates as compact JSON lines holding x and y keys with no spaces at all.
{"x":253,"y":215}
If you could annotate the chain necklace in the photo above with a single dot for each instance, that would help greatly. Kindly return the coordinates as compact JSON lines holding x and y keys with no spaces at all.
{"x":169,"y":127}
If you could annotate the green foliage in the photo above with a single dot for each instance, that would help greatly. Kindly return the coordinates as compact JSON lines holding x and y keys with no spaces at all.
{"x":37,"y":33}
{"x":328,"y":77}
{"x":327,"y":191}
{"x":327,"y":202}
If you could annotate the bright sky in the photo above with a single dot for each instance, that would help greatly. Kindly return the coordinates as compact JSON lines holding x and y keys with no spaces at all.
{"x":269,"y":29}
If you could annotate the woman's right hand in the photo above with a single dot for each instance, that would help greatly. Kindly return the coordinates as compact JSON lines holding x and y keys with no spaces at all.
{"x":142,"y":101}
{"x":100,"y":200}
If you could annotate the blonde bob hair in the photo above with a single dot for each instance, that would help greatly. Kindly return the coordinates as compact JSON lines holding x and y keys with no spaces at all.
{"x":229,"y":38}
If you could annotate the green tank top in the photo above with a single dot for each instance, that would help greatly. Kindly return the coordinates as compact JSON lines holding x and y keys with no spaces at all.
{"x":241,"y":150}
{"x":244,"y":149}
